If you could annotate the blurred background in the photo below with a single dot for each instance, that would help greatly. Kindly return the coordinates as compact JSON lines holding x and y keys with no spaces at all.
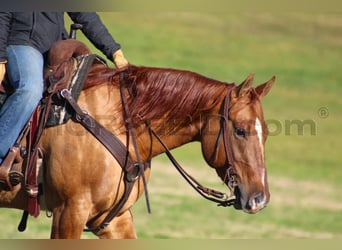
{"x":303,"y":112}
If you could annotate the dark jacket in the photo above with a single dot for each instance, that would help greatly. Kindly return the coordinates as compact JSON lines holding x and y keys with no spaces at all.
{"x":41,"y":29}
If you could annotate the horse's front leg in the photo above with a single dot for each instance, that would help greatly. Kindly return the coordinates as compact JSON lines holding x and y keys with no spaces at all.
{"x":120,"y":227}
{"x":69,"y":220}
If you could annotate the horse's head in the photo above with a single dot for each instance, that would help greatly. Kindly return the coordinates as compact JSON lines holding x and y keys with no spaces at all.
{"x":234,"y":144}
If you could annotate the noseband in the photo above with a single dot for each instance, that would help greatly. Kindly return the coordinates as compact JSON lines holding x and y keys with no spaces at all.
{"x":222,"y":199}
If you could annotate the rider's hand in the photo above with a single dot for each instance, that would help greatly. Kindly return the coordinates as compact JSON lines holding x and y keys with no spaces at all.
{"x":119,"y":59}
{"x":2,"y":74}
{"x":2,"y":71}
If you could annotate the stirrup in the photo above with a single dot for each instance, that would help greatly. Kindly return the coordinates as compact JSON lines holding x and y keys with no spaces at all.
{"x":15,"y":176}
{"x":10,"y":170}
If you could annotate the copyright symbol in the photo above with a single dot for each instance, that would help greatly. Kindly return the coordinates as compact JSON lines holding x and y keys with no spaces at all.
{"x":323,"y":112}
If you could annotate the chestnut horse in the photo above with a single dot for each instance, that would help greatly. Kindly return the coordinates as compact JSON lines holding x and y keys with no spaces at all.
{"x":82,"y":181}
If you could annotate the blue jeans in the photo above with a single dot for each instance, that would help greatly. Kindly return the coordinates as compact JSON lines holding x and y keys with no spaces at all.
{"x":25,"y":70}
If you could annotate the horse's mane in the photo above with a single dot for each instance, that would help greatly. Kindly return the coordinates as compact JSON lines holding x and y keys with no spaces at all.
{"x":176,"y":96}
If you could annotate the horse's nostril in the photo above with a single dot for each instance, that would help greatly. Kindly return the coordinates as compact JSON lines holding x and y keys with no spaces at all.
{"x":257,"y":200}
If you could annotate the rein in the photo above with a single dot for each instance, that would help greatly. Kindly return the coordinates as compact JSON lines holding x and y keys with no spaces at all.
{"x":223,"y":199}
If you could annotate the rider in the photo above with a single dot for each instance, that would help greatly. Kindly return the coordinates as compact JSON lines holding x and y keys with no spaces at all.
{"x":25,"y":38}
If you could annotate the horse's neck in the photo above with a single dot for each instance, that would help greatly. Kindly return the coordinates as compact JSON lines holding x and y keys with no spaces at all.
{"x":105,"y":104}
{"x":206,"y":123}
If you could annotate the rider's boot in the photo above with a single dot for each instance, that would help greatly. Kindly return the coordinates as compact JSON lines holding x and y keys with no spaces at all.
{"x":10,"y":169}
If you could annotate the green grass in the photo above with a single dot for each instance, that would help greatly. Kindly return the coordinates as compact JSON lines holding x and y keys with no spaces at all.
{"x":304,"y":52}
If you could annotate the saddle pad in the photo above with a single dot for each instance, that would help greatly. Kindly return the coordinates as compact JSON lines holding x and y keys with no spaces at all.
{"x":59,"y":111}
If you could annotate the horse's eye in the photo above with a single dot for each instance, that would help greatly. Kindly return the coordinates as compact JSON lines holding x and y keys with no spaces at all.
{"x":240,"y":132}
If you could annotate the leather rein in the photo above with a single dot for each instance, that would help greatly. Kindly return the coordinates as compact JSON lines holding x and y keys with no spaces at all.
{"x":133,"y":170}
{"x":222,"y":199}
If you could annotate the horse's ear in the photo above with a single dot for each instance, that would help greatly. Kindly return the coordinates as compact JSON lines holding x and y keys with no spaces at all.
{"x":244,"y":87}
{"x":263,"y":89}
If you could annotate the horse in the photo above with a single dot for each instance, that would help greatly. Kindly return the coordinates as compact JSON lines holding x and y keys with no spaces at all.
{"x":82,"y":181}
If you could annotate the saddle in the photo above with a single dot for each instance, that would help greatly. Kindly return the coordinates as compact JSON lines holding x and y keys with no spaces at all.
{"x":67,"y":67}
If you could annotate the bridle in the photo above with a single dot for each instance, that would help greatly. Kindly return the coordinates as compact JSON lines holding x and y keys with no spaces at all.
{"x":231,"y":170}
{"x":222,"y":199}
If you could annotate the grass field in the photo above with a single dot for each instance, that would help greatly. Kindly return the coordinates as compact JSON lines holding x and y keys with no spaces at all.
{"x":304,"y":112}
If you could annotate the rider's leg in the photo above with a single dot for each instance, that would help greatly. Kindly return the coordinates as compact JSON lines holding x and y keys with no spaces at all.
{"x":25,"y":70}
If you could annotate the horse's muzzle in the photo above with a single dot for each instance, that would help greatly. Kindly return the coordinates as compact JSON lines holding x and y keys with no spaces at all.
{"x":253,"y":205}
